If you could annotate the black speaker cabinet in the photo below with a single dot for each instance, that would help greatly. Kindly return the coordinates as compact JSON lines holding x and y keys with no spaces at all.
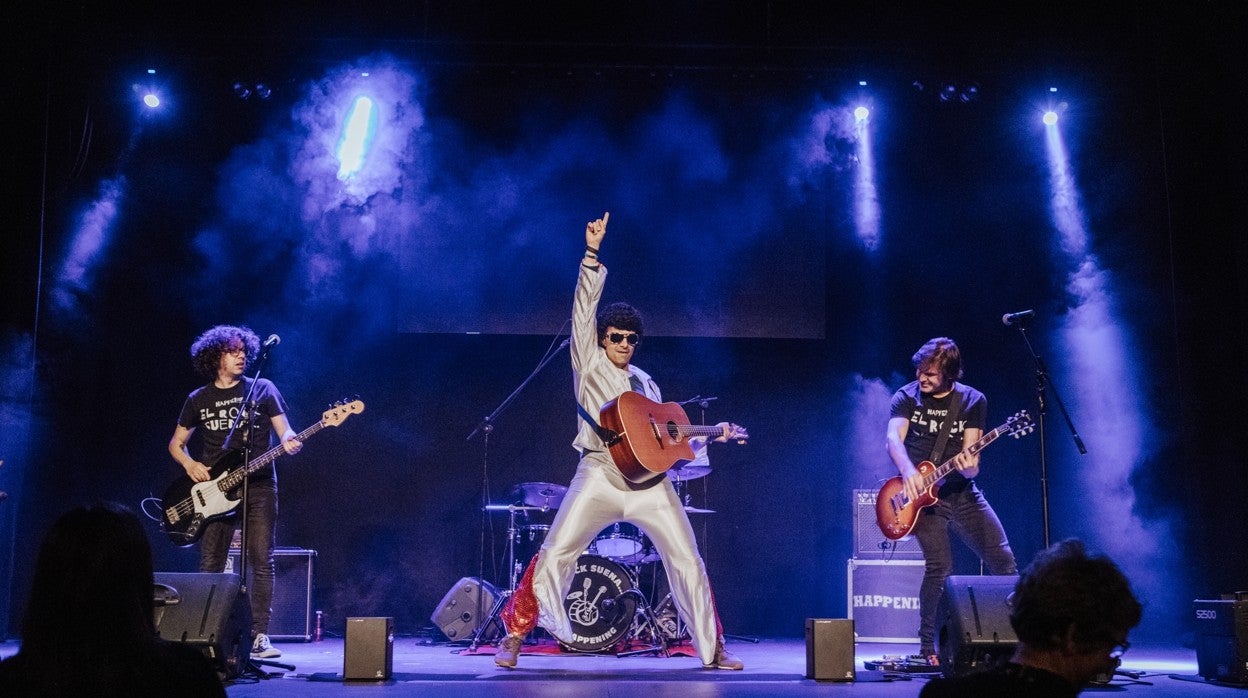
{"x":368,"y":651}
{"x":1222,"y":638}
{"x":293,"y":615}
{"x":830,"y":649}
{"x":973,"y":631}
{"x":205,"y":610}
{"x":464,"y":607}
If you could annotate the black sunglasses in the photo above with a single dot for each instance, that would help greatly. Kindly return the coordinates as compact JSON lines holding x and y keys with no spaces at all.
{"x":633,"y":339}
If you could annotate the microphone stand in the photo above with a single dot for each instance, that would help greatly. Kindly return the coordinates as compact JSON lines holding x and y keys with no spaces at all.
{"x":486,"y":427}
{"x":1044,"y":383}
{"x":248,"y":418}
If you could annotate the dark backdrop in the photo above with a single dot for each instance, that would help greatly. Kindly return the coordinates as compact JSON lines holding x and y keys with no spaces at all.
{"x":755,"y":285}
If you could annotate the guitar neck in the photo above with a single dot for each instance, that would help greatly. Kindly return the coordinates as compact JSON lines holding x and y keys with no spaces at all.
{"x":947,"y":467}
{"x":235,"y":478}
{"x":710,"y":431}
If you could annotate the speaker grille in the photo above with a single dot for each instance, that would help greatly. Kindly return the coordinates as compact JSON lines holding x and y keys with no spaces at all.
{"x":292,"y":593}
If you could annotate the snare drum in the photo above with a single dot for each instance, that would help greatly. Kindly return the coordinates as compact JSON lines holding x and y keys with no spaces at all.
{"x":600,"y":612}
{"x":622,"y":542}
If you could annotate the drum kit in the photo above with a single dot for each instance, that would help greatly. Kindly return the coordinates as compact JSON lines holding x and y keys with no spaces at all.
{"x":607,"y":608}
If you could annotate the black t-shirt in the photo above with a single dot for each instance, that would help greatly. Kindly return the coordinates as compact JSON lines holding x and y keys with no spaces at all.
{"x":213,"y":411}
{"x":927,"y":414}
{"x":1009,"y":681}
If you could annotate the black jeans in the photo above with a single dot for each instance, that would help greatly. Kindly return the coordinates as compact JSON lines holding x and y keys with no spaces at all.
{"x":969,"y":515}
{"x":214,"y":549}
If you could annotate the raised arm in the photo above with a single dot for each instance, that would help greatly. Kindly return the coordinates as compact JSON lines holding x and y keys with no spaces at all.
{"x":588,"y":291}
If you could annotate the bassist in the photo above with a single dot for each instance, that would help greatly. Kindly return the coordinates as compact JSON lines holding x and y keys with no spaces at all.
{"x":221,"y":355}
{"x":931,"y":409}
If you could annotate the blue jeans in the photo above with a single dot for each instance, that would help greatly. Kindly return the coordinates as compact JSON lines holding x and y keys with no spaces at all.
{"x":969,"y":515}
{"x":214,"y":549}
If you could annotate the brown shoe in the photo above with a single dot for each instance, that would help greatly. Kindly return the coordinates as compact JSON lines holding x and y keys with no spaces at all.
{"x":725,"y":659}
{"x":509,"y":651}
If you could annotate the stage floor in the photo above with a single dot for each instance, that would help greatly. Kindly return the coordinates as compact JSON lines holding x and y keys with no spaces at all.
{"x":774,"y":667}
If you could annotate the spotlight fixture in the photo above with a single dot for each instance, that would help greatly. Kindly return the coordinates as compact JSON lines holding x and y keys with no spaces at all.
{"x":247,"y":90}
{"x":969,"y":93}
{"x":948,"y":92}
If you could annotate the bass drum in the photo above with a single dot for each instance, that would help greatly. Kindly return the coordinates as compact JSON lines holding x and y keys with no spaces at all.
{"x":598,"y":608}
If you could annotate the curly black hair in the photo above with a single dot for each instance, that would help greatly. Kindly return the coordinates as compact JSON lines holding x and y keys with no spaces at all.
{"x":621,"y":316}
{"x":207,"y":350}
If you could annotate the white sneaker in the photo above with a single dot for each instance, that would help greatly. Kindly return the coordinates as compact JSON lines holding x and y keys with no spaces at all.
{"x":264,"y":649}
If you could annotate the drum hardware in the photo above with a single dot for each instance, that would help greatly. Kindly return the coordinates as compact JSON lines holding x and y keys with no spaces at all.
{"x":695,"y":510}
{"x":515,"y":566}
{"x":544,"y":495}
{"x":647,"y":627}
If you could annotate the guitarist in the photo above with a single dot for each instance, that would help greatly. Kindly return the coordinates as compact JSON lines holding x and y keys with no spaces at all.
{"x":921,"y":410}
{"x":602,"y":347}
{"x":221,"y":355}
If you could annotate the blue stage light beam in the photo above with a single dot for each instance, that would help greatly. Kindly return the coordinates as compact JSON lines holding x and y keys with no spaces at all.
{"x":358,"y":131}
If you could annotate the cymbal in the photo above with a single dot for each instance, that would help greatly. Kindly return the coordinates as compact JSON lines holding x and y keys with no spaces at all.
{"x":695,"y":510}
{"x":546,"y":495}
{"x":691,"y":471}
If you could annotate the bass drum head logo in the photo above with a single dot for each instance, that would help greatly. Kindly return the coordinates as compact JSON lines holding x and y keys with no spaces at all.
{"x":600,"y":612}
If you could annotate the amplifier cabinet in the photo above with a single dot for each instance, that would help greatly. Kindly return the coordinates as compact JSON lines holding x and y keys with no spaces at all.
{"x":293,"y":591}
{"x":869,"y":542}
{"x":1222,"y":639}
{"x":884,"y":599}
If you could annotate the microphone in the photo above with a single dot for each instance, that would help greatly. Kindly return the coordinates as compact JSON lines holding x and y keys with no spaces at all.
{"x":274,"y":340}
{"x":1008,"y":319}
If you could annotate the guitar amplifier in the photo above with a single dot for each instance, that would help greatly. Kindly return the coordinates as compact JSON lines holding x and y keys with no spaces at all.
{"x":293,"y":618}
{"x":869,"y":542}
{"x":1222,"y":640}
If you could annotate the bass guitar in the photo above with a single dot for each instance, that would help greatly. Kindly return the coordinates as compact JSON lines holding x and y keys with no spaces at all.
{"x":652,"y":437}
{"x":896,"y":514}
{"x":188,"y":505}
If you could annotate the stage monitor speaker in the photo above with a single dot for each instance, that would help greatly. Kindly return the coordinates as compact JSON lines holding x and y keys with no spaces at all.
{"x":208,"y":611}
{"x":973,"y":630}
{"x":368,"y":651}
{"x":293,"y":591}
{"x":464,"y":607}
{"x":869,"y":542}
{"x":830,"y":649}
{"x":1222,"y":638}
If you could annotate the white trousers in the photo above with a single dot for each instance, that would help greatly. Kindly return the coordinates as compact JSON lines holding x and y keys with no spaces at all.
{"x":599,"y":496}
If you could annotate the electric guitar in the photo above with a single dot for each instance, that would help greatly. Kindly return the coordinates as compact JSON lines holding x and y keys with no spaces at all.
{"x":188,"y":505}
{"x":896,"y":515}
{"x":652,"y":437}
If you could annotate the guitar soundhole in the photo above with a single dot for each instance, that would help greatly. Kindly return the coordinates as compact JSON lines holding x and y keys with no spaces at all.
{"x":673,"y":432}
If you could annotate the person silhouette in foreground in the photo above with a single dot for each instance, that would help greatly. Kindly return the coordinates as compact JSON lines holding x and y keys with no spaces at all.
{"x":1072,"y":613}
{"x":88,"y":629}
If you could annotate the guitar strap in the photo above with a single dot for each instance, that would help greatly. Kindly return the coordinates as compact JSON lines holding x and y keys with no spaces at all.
{"x":955,"y":411}
{"x":610,"y":438}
